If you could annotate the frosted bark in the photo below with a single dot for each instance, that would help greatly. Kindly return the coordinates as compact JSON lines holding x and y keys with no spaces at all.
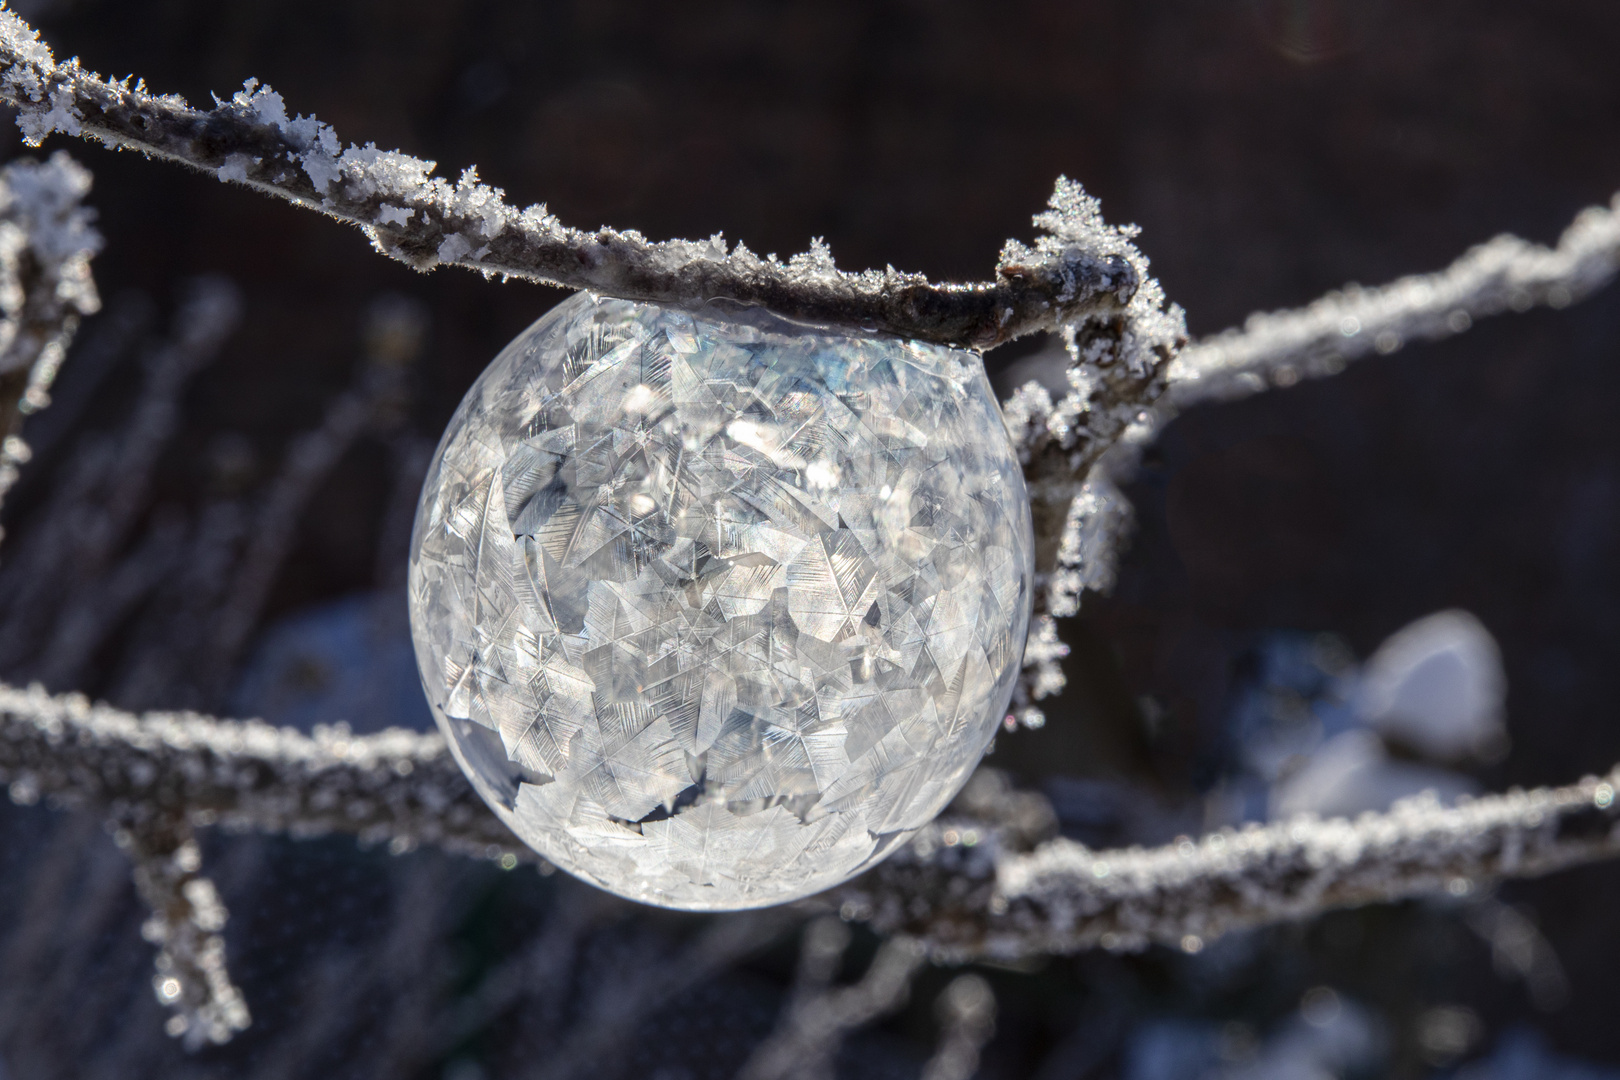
{"x":187,"y":918}
{"x":426,"y":221}
{"x":967,"y":1015}
{"x":398,"y":786}
{"x":962,"y":888}
{"x":976,"y":900}
{"x":46,"y":243}
{"x":1081,"y":515}
{"x":1504,"y":274}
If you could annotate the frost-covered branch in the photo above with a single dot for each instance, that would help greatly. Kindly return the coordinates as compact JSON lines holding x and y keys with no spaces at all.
{"x":961,"y":887}
{"x":969,"y":899}
{"x":186,"y":921}
{"x":46,"y":243}
{"x":398,"y":786}
{"x":1271,"y":349}
{"x":1081,"y":514}
{"x":1504,"y":274}
{"x":427,"y":221}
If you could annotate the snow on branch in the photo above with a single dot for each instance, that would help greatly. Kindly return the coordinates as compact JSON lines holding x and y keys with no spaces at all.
{"x":427,"y":221}
{"x":1503,"y":274}
{"x":961,"y":888}
{"x":186,"y":921}
{"x":46,"y":243}
{"x":1085,"y":513}
{"x":969,"y":900}
{"x":396,"y":786}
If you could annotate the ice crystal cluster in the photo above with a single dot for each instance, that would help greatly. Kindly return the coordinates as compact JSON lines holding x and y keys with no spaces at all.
{"x":717,"y":609}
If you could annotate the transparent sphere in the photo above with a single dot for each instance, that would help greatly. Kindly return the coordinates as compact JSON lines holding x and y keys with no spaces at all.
{"x":715,"y":609}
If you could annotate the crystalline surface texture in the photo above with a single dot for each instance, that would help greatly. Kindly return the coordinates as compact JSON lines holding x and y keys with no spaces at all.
{"x":715,"y":609}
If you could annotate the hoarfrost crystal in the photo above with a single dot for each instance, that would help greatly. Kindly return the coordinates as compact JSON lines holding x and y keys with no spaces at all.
{"x":716,"y":610}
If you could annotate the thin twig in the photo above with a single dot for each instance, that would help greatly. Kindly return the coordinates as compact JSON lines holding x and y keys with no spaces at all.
{"x":814,"y":1025}
{"x":1504,"y":274}
{"x":539,"y":976}
{"x":46,"y":243}
{"x":967,"y":1014}
{"x":619,"y":1005}
{"x":176,"y":627}
{"x":187,"y":918}
{"x":1082,"y":516}
{"x":93,"y":510}
{"x":88,"y":618}
{"x":393,"y":341}
{"x":425,"y":221}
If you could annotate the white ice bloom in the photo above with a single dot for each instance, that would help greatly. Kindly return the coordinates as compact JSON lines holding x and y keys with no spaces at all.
{"x":235,"y":168}
{"x":454,"y":247}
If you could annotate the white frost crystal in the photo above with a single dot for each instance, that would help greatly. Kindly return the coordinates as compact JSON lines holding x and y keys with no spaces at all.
{"x":716,"y":609}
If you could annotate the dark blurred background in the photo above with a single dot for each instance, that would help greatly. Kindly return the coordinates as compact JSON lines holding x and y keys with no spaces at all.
{"x":1270,"y":149}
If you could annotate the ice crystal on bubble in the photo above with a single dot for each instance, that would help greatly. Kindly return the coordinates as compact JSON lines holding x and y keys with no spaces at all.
{"x":717,"y":609}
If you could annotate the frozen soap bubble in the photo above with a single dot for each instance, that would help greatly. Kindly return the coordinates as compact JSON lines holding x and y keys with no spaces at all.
{"x":715,"y":609}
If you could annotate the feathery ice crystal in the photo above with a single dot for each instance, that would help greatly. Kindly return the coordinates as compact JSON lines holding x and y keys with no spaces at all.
{"x":716,"y":609}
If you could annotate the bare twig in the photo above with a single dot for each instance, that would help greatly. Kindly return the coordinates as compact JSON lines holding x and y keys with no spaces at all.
{"x":539,"y":976}
{"x":86,"y":621}
{"x":77,"y":893}
{"x":99,"y":502}
{"x":618,"y":1005}
{"x":1520,"y":950}
{"x":393,"y":340}
{"x":967,"y":1014}
{"x":177,"y":626}
{"x":424,"y":221}
{"x":814,"y":1025}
